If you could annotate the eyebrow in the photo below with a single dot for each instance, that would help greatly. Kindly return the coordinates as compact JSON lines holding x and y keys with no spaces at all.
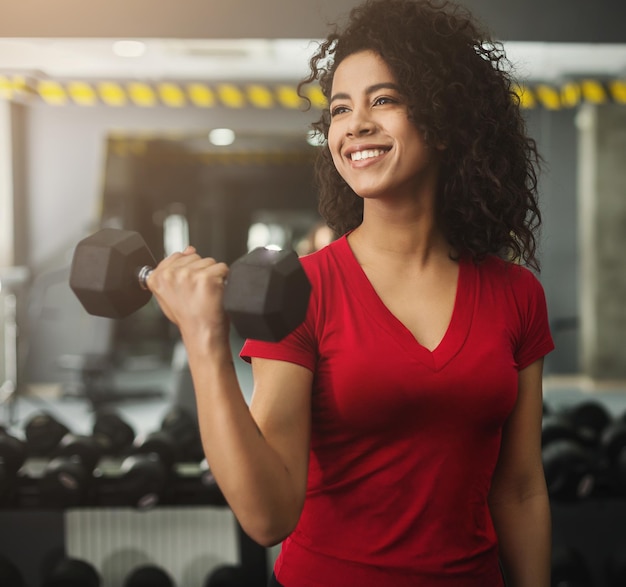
{"x":369,"y":90}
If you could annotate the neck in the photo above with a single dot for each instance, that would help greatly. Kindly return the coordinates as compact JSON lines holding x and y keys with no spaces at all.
{"x":399,"y":234}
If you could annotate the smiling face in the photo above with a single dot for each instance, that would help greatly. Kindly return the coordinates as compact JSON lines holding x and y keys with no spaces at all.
{"x":375,"y":147}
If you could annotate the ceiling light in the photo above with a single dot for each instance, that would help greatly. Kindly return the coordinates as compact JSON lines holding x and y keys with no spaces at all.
{"x":129,"y":48}
{"x":222,"y":137}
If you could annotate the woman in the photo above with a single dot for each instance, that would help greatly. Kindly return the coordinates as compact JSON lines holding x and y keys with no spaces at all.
{"x":393,"y":439}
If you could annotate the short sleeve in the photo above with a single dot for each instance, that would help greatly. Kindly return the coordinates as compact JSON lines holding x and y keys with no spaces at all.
{"x":535,"y":337}
{"x":297,"y":347}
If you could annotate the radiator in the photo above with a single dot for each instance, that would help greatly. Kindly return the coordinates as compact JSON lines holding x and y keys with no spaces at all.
{"x":187,"y":542}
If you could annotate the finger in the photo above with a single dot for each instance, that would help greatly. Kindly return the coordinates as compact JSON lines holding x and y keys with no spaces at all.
{"x":179,"y":268}
{"x":179,"y":259}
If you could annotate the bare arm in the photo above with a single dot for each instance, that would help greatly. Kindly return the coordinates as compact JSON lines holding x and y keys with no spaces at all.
{"x":519,"y":499}
{"x":258,"y":454}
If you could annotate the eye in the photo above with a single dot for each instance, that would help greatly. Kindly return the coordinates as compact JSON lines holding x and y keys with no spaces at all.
{"x":338,"y":110}
{"x":382,"y":100}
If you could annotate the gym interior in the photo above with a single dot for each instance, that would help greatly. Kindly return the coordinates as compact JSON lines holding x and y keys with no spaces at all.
{"x":194,"y":133}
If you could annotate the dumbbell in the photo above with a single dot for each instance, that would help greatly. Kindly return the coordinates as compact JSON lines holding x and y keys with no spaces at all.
{"x":570,"y":465}
{"x":138,"y":481}
{"x":145,"y":474}
{"x":266,"y":294}
{"x":67,"y":478}
{"x":148,"y":576}
{"x":159,"y":454}
{"x":177,"y":440}
{"x":613,"y":443}
{"x":79,"y":473}
{"x":10,"y":575}
{"x":226,"y":576}
{"x":616,"y":567}
{"x":43,"y":433}
{"x":72,"y":572}
{"x":12,"y":456}
{"x":590,"y":418}
{"x":569,"y":569}
{"x":113,"y":432}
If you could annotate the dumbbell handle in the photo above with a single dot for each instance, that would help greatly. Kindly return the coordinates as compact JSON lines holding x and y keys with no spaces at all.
{"x":142,"y":276}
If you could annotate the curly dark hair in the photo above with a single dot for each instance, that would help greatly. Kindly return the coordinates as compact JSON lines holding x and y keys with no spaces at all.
{"x":460,"y":94}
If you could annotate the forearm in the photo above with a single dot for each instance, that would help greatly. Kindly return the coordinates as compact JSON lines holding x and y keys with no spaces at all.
{"x":253,"y":478}
{"x":524,"y":533}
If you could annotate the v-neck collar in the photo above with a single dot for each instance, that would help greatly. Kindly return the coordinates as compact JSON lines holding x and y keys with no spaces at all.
{"x":458,"y":327}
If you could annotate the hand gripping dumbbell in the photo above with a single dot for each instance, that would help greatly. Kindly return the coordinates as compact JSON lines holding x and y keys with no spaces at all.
{"x":266,"y":295}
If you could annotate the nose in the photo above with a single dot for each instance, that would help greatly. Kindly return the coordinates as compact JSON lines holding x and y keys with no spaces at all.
{"x":360,"y":123}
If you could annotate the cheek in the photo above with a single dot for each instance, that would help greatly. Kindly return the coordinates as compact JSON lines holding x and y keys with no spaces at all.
{"x":334,"y":148}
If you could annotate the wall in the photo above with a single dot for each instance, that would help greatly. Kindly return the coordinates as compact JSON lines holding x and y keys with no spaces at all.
{"x":602,"y":179}
{"x":533,"y":20}
{"x":556,"y":136}
{"x":66,"y":158}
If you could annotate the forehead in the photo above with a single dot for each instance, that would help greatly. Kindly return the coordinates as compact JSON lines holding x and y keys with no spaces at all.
{"x":361,"y":69}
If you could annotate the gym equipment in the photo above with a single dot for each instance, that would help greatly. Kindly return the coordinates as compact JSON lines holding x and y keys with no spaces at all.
{"x":589,"y":418}
{"x":12,"y":457}
{"x":266,"y":295}
{"x":148,"y":576}
{"x":43,"y":433}
{"x":72,"y":572}
{"x":10,"y":575}
{"x":140,"y":481}
{"x":226,"y":576}
{"x":613,"y":443}
{"x":570,"y":466}
{"x":569,"y":569}
{"x":616,"y":567}
{"x":570,"y":470}
{"x":113,"y":432}
{"x":583,"y":422}
{"x":172,"y":458}
{"x":178,"y":439}
{"x":67,"y":477}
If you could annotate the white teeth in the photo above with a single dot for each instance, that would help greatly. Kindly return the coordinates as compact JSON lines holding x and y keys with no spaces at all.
{"x":358,"y":155}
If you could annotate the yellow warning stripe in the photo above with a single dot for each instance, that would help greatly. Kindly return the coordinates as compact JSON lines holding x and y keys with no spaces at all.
{"x":174,"y":94}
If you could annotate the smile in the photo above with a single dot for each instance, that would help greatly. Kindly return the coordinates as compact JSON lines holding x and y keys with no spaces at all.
{"x":366,"y":154}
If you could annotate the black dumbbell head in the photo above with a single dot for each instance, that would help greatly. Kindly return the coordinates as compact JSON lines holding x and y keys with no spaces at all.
{"x":112,"y":430}
{"x":104,"y":272}
{"x":267,"y":294}
{"x":590,"y":418}
{"x":143,"y":480}
{"x":84,"y":448}
{"x":10,"y":575}
{"x":182,"y":426}
{"x":556,"y":427}
{"x":568,"y":567}
{"x":148,"y":576}
{"x":226,"y":576}
{"x":12,"y":452}
{"x":570,"y":470}
{"x":43,"y":433}
{"x":64,"y":483}
{"x":73,"y":572}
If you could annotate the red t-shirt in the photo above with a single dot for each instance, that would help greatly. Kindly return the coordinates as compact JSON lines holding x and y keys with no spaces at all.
{"x":404,"y":441}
